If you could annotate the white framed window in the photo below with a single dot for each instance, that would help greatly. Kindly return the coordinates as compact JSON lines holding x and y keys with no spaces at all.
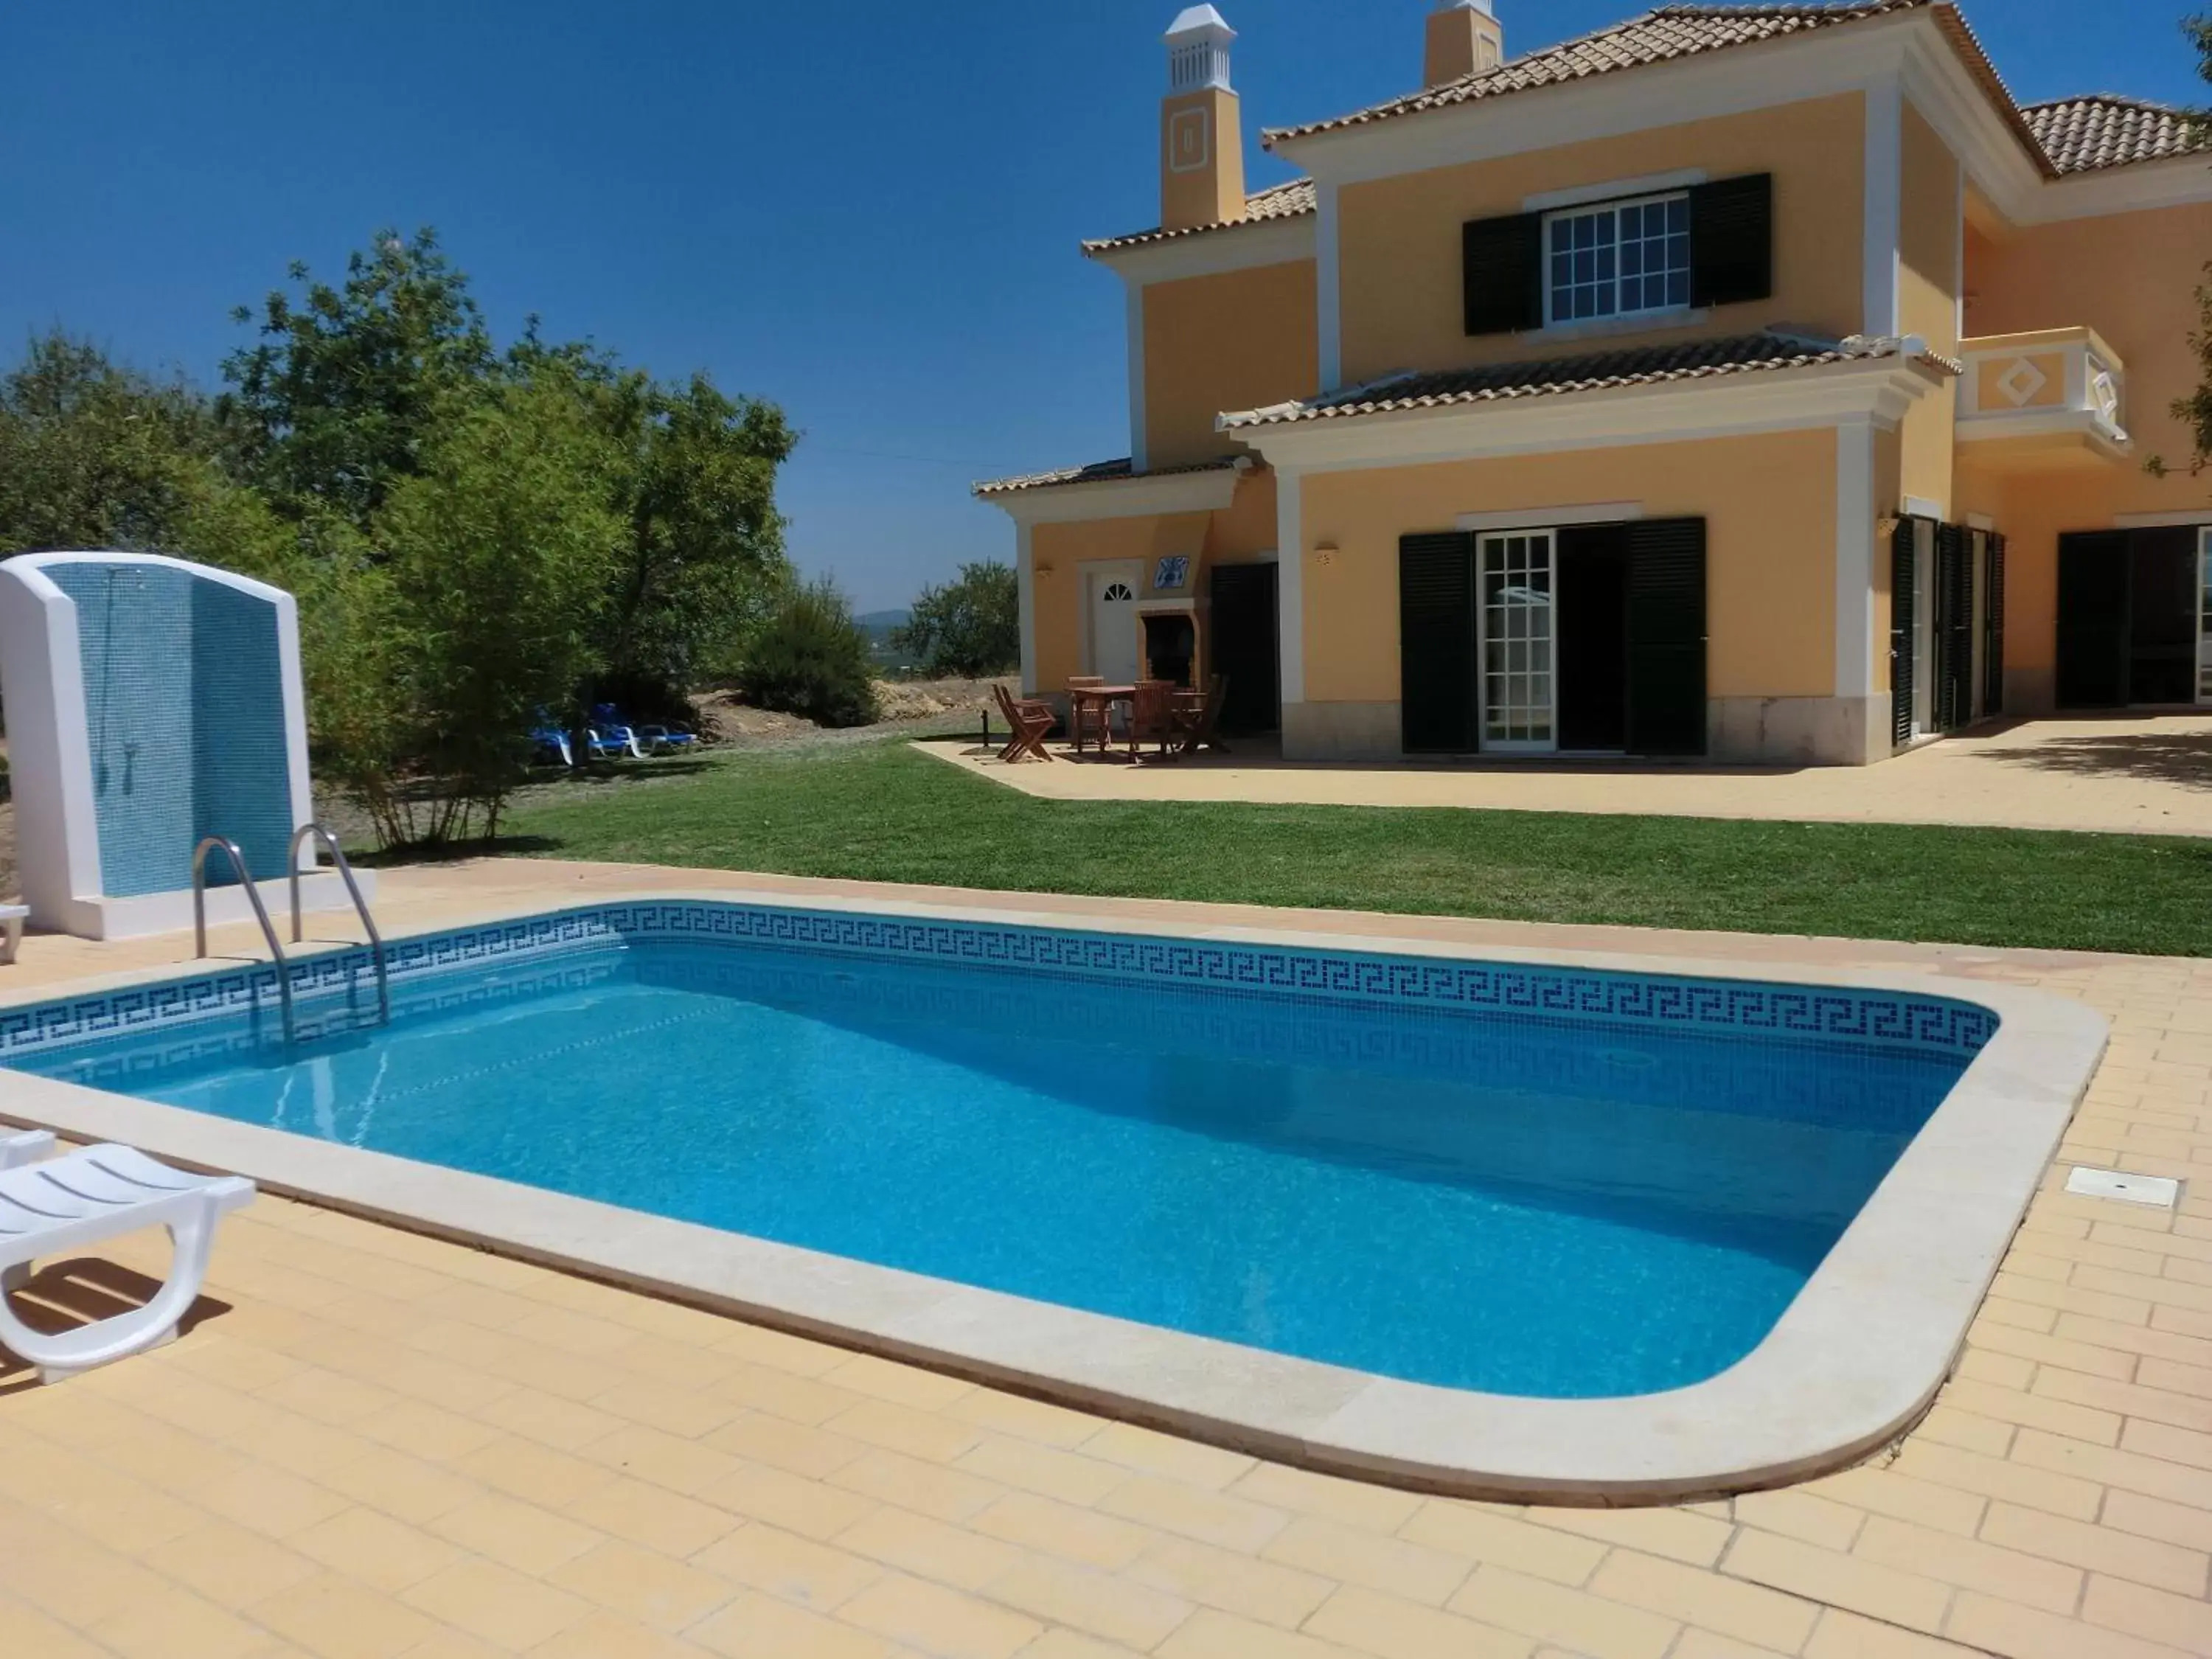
{"x":1617,"y":259}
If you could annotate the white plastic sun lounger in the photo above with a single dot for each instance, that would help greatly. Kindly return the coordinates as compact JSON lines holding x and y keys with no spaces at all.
{"x":87,"y":1196}
{"x":12,"y":917}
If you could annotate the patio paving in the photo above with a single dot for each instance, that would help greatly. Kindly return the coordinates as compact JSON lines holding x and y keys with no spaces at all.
{"x":2149,"y":773}
{"x":374,"y":1444}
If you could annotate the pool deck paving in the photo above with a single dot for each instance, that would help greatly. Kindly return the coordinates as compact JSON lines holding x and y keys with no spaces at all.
{"x":2144,"y":774}
{"x":371,"y":1443}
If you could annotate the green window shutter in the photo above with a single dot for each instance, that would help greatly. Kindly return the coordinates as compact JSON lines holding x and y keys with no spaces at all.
{"x":1993,"y":621}
{"x":1503,"y":268}
{"x":1954,"y":628}
{"x":1666,"y":636}
{"x":1436,"y":643}
{"x":1901,"y":621}
{"x":1732,"y":240}
{"x":2094,"y":573}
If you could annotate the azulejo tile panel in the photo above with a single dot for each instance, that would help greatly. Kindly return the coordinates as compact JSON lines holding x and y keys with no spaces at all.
{"x":328,"y":987}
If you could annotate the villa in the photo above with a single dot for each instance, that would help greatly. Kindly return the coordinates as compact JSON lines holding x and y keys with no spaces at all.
{"x":1759,"y":383}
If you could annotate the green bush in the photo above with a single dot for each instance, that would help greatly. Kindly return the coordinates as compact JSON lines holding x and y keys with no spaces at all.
{"x":810,"y":657}
{"x":971,"y":627}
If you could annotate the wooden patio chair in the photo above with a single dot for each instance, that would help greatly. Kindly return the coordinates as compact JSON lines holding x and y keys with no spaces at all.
{"x":1197,"y":713}
{"x":1028,"y":721}
{"x":1089,"y":719}
{"x":1152,"y":718}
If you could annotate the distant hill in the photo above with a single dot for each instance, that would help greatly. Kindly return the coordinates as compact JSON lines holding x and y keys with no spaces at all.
{"x":878,"y":625}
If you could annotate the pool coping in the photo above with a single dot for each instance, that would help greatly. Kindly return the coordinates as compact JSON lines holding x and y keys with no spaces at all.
{"x":1856,"y":1360}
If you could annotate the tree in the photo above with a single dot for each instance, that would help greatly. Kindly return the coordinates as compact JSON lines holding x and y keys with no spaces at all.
{"x":694,"y":477}
{"x":498,"y":554}
{"x":345,"y":392}
{"x":95,"y":456}
{"x":971,"y":626}
{"x":810,"y":657}
{"x":2195,"y":410}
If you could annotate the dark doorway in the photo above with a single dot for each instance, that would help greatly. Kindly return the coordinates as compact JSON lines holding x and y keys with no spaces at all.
{"x":2162,"y":617}
{"x":1170,"y":642}
{"x":1247,"y":643}
{"x":1593,"y":632}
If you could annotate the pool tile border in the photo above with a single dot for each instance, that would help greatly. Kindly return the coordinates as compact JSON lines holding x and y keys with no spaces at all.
{"x":1704,"y":1002}
{"x":1853,"y":1362}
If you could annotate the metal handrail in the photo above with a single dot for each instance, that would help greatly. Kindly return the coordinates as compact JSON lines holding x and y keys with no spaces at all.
{"x":300,"y":836}
{"x":260,"y":914}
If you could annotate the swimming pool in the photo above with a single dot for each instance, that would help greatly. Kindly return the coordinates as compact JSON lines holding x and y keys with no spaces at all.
{"x":1554,"y":1183}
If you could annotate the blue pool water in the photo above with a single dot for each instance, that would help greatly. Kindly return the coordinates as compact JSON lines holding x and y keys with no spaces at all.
{"x":1542,"y":1207}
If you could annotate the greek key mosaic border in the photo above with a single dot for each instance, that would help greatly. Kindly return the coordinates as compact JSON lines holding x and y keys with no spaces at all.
{"x":1434,"y":985}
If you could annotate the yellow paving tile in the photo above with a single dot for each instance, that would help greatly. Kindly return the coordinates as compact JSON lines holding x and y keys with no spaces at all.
{"x":1847,"y":1636}
{"x":497,"y":1604}
{"x":337,"y":1619}
{"x":1371,"y":1621}
{"x":1210,"y":1635}
{"x":1327,"y":1498}
{"x":935,"y":1620}
{"x":515,"y":1535}
{"x":650,"y":1516}
{"x":785,"y":1566}
{"x":1475,"y":1533}
{"x":1211,"y":1517}
{"x":178,"y":1624}
{"x":1585,"y":1623}
{"x":758,"y":1626}
{"x":1395,"y":1567}
{"x":1990,"y":1625}
{"x":645,"y":1587}
{"x":2033,"y":1581}
{"x":1068,"y":1476}
{"x":1808,"y":1516}
{"x":1081,"y":1536}
{"x":2105,"y":1548}
{"x":1705,"y":1600}
{"x":1088,"y":1600}
{"x":1267,"y":1591}
{"x":228,"y":1565}
{"x":2156,"y":1615}
{"x":383,"y":1554}
{"x":1679,"y":1534}
{"x":928,"y":1548}
{"x":1893,"y":1594}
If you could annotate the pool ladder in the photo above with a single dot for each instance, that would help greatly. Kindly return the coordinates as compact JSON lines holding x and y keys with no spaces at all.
{"x":306,"y":832}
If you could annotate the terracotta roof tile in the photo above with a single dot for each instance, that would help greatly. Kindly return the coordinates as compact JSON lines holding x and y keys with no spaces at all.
{"x":1289,"y":201}
{"x":1101,"y":472}
{"x":2081,"y":135}
{"x":1595,"y":371}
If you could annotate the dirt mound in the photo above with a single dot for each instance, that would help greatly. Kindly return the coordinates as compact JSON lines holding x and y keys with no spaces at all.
{"x":723,"y":719}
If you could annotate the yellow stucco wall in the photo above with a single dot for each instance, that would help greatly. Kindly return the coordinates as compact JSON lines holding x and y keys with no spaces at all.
{"x":1928,"y":299}
{"x":1240,"y":339}
{"x":1059,"y":552}
{"x":1769,"y":502}
{"x":1399,"y":239}
{"x":2132,"y":278}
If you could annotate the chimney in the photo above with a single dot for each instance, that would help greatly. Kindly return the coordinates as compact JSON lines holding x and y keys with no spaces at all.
{"x":1201,"y":134}
{"x":1464,"y":39}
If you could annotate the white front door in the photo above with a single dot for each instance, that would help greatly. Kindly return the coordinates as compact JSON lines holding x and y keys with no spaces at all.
{"x":1516,"y":600}
{"x":1109,"y":606}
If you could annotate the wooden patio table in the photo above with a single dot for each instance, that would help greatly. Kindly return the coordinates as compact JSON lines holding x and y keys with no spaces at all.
{"x":1105,"y":697}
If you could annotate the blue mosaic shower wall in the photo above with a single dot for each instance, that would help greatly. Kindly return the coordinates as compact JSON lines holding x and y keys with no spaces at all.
{"x":184,"y":706}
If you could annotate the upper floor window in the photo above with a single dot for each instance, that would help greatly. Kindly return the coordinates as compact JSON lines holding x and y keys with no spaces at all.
{"x":1618,"y":260}
{"x":1637,"y":256}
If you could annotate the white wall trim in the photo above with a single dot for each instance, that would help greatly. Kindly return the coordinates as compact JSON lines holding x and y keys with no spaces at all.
{"x":1878,"y":389}
{"x":1854,"y":554}
{"x":1290,"y":584}
{"x":2139,"y":187}
{"x":1209,"y":253}
{"x":1651,"y":184}
{"x":1209,"y":491}
{"x":1919,"y":506}
{"x":1328,"y":273}
{"x":1139,"y":444}
{"x":1884,"y":223}
{"x":1551,"y":518}
{"x":1981,"y":521}
{"x":2189,"y":518}
{"x":1025,"y":585}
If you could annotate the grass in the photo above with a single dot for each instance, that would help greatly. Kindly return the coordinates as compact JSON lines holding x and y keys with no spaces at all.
{"x":880,"y":811}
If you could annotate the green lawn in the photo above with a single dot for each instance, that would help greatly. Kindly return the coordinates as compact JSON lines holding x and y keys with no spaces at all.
{"x":882,"y":812}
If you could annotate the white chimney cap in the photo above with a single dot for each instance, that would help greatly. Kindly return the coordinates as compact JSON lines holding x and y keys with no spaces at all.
{"x":1199,"y":20}
{"x":1482,"y":6}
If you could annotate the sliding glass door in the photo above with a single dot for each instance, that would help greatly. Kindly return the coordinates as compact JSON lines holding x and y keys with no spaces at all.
{"x":1518,"y":641}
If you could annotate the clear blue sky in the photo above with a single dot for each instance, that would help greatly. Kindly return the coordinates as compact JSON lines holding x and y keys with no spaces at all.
{"x":868,"y":211}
